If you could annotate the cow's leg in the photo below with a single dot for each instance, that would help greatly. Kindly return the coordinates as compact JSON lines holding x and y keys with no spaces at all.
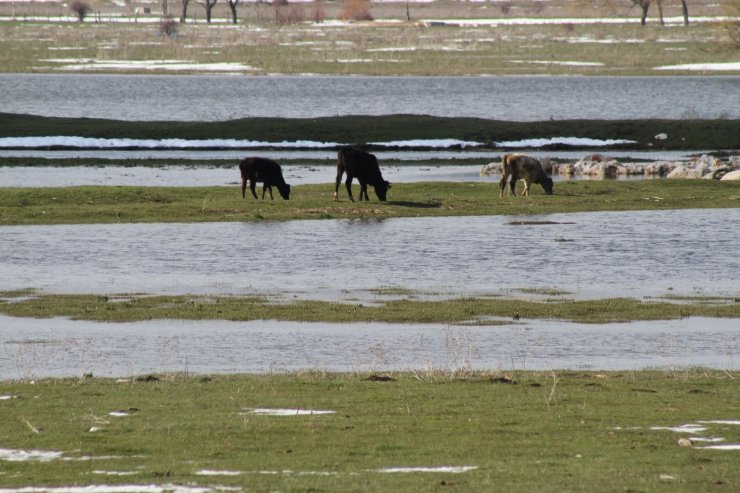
{"x":502,"y":183}
{"x":340,"y":172}
{"x":267,"y":188}
{"x":526,"y":187}
{"x":348,"y":184}
{"x":252,"y":184}
{"x":512,"y":185}
{"x":363,"y":191}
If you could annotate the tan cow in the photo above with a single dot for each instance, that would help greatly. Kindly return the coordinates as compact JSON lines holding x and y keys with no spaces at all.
{"x":523,"y":167}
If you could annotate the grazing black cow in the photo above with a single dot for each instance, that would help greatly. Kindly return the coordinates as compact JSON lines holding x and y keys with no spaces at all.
{"x":265,"y":170}
{"x":363,"y":166}
{"x":527,"y":168}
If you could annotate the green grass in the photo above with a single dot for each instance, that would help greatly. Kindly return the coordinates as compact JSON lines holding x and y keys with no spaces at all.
{"x":545,"y":432}
{"x":407,"y":310}
{"x":109,"y":204}
{"x":685,"y":134}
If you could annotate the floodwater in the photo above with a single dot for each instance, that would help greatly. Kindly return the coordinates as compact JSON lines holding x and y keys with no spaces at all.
{"x":590,"y":255}
{"x":157,"y":97}
{"x":198,"y":176}
{"x":34,"y":348}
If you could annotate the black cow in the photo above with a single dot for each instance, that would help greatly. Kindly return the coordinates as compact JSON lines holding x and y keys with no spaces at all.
{"x":266,"y":171}
{"x":527,"y":168}
{"x":363,"y":166}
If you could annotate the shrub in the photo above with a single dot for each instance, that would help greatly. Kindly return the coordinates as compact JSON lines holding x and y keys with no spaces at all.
{"x":80,"y":8}
{"x":168,"y":26}
{"x":356,"y":10}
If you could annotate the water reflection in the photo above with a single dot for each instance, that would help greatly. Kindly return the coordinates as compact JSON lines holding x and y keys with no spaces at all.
{"x":599,"y":254}
{"x":32,"y":348}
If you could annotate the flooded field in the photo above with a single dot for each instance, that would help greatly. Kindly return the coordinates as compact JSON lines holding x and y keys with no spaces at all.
{"x":196,"y":176}
{"x":590,"y":255}
{"x":156,"y":97}
{"x":33,"y":348}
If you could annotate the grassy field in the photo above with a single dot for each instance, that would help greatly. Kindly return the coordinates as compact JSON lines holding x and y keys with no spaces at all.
{"x":547,"y":431}
{"x":110,"y":204}
{"x":43,"y":39}
{"x":405,"y":309}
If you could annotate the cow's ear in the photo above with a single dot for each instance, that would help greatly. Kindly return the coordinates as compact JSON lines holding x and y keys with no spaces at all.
{"x":388,"y":184}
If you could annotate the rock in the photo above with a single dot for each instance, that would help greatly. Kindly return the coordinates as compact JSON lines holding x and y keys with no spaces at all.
{"x":732,"y":175}
{"x":491,"y":168}
{"x":661,"y":136}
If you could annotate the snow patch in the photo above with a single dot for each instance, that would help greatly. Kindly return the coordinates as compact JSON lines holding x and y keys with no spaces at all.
{"x":99,"y":143}
{"x":287,"y":412}
{"x":703,"y":67}
{"x":726,"y":446}
{"x":12,"y":455}
{"x":572,"y":141}
{"x":445,"y":469}
{"x":689,"y":428}
{"x":213,"y":472}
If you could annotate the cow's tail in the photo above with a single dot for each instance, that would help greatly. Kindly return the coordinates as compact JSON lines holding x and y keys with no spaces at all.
{"x":341,"y":163}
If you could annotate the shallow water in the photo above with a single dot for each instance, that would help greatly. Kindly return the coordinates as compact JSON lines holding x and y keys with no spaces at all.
{"x":33,"y":348}
{"x":196,"y":176}
{"x":155,"y":97}
{"x":597,"y":254}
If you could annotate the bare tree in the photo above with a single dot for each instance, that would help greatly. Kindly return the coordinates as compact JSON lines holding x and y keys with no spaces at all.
{"x":232,"y":6}
{"x":685,"y":9}
{"x":644,"y":7}
{"x":184,"y":11}
{"x":208,"y":5}
{"x":319,"y":11}
{"x":81,"y":8}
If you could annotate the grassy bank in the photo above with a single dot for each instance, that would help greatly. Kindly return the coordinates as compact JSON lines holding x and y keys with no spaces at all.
{"x":686,"y":134}
{"x":96,"y":204}
{"x":405,"y":309}
{"x":555,"y":431}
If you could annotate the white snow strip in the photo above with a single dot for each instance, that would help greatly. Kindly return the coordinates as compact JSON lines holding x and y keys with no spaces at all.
{"x":119,"y":488}
{"x":7,"y":397}
{"x":116,"y":473}
{"x":96,"y":143}
{"x":288,"y":412}
{"x":726,"y":446}
{"x":118,"y":414}
{"x":445,"y":469}
{"x":12,"y":455}
{"x":563,"y":63}
{"x":574,"y":141}
{"x":523,"y":21}
{"x":87,"y":142}
{"x":681,"y":429}
{"x":706,"y":439}
{"x":75,"y":64}
{"x":703,"y":67}
{"x":722,"y":422}
{"x":213,"y":472}
{"x":427,"y":143}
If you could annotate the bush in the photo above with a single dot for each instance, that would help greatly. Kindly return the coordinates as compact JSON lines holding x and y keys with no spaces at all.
{"x":356,"y":10}
{"x":168,"y":26}
{"x":81,"y":8}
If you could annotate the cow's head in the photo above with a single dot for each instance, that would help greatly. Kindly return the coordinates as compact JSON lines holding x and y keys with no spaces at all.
{"x":381,"y":190}
{"x":284,"y":191}
{"x":547,"y":185}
